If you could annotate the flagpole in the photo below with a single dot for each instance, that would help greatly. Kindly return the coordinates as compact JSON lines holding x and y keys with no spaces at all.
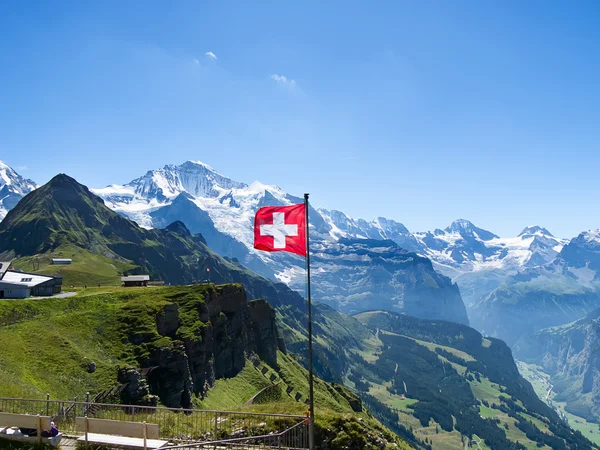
{"x":311,"y":403}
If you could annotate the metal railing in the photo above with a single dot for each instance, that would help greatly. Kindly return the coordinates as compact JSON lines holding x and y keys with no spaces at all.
{"x":295,"y":437}
{"x":182,"y":426}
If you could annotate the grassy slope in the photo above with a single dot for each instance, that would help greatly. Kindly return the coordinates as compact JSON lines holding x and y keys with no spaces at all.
{"x":440,"y":439}
{"x":87,"y":268}
{"x":46,"y":345}
{"x":483,"y":390}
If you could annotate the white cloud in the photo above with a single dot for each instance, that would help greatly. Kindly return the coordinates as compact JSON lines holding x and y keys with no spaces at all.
{"x":283,"y":80}
{"x":210,"y":55}
{"x":196,"y":61}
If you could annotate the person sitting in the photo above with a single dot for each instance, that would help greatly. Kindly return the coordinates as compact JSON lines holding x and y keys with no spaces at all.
{"x":52,"y":432}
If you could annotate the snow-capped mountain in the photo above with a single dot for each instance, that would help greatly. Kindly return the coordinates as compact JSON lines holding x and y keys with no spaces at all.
{"x":555,"y":293}
{"x":223,"y":211}
{"x":476,"y":259}
{"x":159,"y":187}
{"x":479,"y":261}
{"x":465,"y":247}
{"x":13,"y":187}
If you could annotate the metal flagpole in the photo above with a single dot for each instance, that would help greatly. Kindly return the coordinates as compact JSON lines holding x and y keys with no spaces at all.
{"x":311,"y":403}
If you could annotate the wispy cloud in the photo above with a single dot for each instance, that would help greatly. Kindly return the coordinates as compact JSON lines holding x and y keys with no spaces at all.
{"x":21,"y":168}
{"x":195,"y":60}
{"x":283,"y":80}
{"x":210,"y":55}
{"x":347,"y":158}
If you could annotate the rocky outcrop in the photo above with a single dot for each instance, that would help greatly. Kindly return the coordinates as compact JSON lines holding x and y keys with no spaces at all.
{"x":204,"y":337}
{"x":135,"y":388}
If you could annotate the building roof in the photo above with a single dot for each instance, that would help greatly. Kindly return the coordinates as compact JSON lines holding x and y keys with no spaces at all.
{"x":24,"y":278}
{"x":4,"y":265}
{"x":62,"y":259}
{"x":136,"y":278}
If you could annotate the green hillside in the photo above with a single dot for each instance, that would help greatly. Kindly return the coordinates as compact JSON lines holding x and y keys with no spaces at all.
{"x":446,"y":382}
{"x":87,"y":268}
{"x":48,"y":344}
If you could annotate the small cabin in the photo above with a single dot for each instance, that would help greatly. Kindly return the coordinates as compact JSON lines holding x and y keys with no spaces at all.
{"x":63,"y":261}
{"x":135,"y":280}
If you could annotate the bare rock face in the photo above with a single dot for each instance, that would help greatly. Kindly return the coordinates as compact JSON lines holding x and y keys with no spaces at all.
{"x":265,"y":331}
{"x":136,"y":390}
{"x":168,"y":322}
{"x":203,"y":339}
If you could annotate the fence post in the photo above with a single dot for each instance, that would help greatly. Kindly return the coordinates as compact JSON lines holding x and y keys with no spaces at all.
{"x":75,"y":405}
{"x":87,"y":403}
{"x":47,"y":404}
{"x":216,"y":425}
{"x":145,"y":436}
{"x":133,"y":413}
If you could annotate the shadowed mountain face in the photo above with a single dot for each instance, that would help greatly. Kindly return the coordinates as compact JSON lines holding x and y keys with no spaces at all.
{"x":363,"y":274}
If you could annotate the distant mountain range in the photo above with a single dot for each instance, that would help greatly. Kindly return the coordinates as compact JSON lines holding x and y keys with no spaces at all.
{"x":559,"y":292}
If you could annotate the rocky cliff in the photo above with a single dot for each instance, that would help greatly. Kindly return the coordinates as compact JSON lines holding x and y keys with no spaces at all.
{"x":356,"y":275}
{"x":197,"y":337}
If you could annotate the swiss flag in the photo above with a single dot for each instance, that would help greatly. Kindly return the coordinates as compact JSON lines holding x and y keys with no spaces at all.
{"x":281,"y":229}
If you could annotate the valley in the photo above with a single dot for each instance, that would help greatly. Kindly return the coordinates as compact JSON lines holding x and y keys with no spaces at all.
{"x":542,"y":384}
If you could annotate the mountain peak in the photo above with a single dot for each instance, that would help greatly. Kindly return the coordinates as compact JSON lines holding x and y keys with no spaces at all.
{"x":460,"y":224}
{"x":62,"y":179}
{"x":465,"y":227}
{"x":201,"y":164}
{"x":591,"y":236}
{"x":532,"y":230}
{"x":179,"y":228}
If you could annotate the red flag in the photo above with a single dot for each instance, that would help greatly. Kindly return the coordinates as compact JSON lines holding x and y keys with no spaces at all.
{"x":281,"y":229}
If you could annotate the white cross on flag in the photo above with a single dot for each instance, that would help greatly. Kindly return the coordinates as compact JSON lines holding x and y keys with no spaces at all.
{"x":281,"y":229}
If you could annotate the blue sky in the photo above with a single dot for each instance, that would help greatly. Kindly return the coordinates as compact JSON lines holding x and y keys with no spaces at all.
{"x":418,"y":111}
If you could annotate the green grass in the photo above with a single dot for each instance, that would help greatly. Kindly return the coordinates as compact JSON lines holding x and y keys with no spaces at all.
{"x":486,"y":390}
{"x":381,"y":393}
{"x":486,"y":412}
